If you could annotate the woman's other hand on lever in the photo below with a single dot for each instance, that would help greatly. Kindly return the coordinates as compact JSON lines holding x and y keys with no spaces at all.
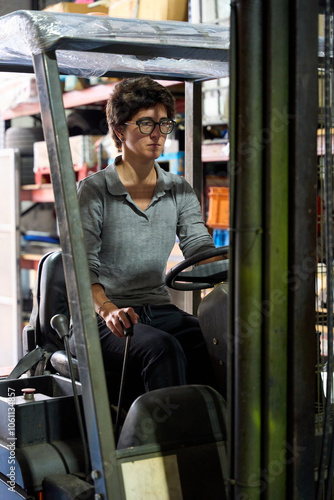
{"x":118,"y":319}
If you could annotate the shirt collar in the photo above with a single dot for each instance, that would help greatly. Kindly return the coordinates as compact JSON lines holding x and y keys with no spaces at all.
{"x":115,"y":186}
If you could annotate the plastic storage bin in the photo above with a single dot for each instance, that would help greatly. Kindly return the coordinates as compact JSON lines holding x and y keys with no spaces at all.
{"x":221,"y":237}
{"x":219,"y":208}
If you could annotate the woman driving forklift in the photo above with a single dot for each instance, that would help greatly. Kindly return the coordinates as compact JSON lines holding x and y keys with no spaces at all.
{"x":131,"y":212}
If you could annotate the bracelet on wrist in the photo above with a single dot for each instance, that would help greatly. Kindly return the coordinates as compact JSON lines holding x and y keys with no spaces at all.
{"x":100,"y":307}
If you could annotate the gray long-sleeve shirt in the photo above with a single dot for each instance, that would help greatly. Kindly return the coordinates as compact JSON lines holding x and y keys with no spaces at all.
{"x":127,"y":247}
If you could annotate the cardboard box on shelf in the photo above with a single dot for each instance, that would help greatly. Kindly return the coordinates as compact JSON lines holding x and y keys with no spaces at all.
{"x":76,"y":8}
{"x":123,"y":8}
{"x":163,"y":10}
{"x":84,"y":156}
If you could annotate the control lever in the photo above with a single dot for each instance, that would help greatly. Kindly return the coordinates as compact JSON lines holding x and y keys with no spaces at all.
{"x":128,"y":332}
{"x":59,"y":322}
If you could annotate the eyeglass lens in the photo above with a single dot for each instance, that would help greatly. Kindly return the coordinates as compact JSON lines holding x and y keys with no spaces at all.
{"x":147,"y":126}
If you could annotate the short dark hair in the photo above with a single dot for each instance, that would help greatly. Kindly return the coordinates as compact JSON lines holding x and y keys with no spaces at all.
{"x":132,"y":94}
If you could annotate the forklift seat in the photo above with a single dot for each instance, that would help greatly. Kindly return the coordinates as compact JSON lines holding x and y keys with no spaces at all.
{"x":51,"y":299}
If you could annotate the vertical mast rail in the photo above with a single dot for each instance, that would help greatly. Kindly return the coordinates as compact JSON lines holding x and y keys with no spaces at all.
{"x":94,"y":391}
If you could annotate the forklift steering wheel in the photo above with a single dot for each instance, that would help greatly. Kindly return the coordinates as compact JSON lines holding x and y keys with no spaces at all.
{"x":201,"y":277}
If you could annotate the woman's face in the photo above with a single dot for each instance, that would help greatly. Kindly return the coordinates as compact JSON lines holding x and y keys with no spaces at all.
{"x":145,"y":146}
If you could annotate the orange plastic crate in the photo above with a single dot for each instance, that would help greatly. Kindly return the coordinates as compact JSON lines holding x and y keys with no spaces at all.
{"x":219,"y":208}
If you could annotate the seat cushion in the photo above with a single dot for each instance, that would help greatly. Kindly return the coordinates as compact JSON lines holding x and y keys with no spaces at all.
{"x":59,"y":362}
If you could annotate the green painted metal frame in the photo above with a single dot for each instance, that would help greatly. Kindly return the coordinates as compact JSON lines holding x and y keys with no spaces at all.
{"x":274,"y":306}
{"x":246,"y":248}
{"x":273,"y":177}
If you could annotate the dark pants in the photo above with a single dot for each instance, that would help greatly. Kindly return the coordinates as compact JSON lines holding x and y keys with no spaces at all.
{"x":167,"y":349}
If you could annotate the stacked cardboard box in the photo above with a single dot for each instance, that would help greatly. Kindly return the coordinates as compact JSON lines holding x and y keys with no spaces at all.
{"x":76,"y":8}
{"x":172,"y":10}
{"x":84,"y":157}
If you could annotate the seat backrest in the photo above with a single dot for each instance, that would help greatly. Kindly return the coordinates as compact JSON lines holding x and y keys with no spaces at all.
{"x":51,"y":299}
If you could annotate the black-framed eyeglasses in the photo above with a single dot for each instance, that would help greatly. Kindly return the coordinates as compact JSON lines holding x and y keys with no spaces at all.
{"x":147,"y":125}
